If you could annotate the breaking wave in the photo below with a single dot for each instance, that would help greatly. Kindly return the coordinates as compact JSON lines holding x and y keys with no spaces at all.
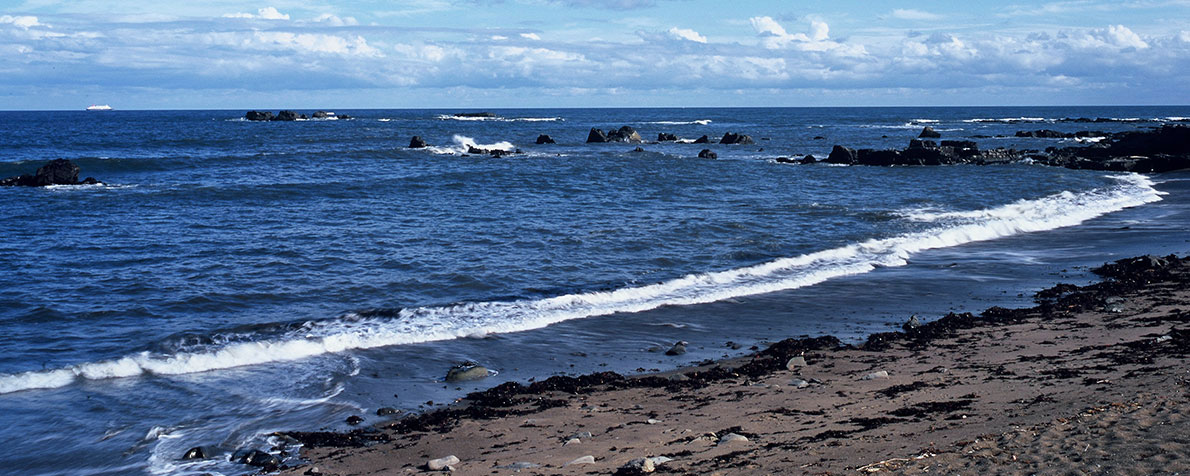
{"x":424,"y":324}
{"x":462,"y":144}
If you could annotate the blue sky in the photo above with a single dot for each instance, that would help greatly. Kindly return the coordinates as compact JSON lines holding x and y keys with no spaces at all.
{"x":140,"y":54}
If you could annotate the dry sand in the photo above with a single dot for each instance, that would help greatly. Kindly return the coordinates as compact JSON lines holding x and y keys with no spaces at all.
{"x":1091,"y":381}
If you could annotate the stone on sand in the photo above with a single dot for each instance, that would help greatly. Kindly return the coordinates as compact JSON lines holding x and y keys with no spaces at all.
{"x":442,"y":463}
{"x":581,"y":460}
{"x":732,"y":438}
{"x":795,"y":363}
{"x":876,"y":375}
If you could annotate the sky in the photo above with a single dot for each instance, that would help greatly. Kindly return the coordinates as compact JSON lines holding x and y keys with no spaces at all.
{"x":218,"y":54}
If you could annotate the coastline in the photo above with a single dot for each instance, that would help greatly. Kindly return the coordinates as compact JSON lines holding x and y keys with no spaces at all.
{"x":1097,"y":366}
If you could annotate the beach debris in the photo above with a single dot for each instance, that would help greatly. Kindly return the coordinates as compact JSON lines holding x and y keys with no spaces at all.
{"x":581,"y":460}
{"x":417,"y":143}
{"x":707,"y":154}
{"x":929,"y":133}
{"x":354,"y":420}
{"x":545,"y":139}
{"x":795,"y":363}
{"x":875,"y":375}
{"x":442,"y":463}
{"x":679,"y":348}
{"x":519,"y":465}
{"x":637,"y":466}
{"x":196,"y":452}
{"x":799,"y":383}
{"x":732,"y":438}
{"x":466,"y":371}
{"x":386,"y":411}
{"x":912,"y":324}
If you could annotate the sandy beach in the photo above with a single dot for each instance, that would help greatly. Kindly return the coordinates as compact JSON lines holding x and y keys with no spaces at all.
{"x":1092,"y":380}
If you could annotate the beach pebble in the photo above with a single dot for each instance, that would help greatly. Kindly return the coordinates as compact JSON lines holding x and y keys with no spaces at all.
{"x":679,"y":348}
{"x":442,"y":463}
{"x":732,"y":438}
{"x":876,"y":375}
{"x":799,"y":383}
{"x":1114,"y":308}
{"x":660,"y":460}
{"x":637,"y":466}
{"x":795,"y":363}
{"x":581,"y":460}
{"x":572,"y":441}
{"x":313,"y":471}
{"x":466,"y":371}
{"x":652,"y":421}
{"x":261,"y":459}
{"x":1164,"y":338}
{"x":581,"y":435}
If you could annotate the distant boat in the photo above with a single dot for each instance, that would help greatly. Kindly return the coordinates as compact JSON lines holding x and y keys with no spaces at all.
{"x":99,"y":107}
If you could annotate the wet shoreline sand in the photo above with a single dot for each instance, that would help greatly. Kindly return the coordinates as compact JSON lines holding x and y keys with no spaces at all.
{"x":1090,"y":380}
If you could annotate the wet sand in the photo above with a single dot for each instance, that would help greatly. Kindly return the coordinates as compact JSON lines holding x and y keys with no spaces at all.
{"x":1092,"y":380}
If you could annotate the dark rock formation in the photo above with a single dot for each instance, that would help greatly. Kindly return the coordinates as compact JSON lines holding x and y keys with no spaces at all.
{"x":196,"y":452}
{"x":596,"y":136}
{"x":808,"y":159}
{"x":55,"y":172}
{"x":1052,"y":134}
{"x":287,"y":116}
{"x":923,"y":152}
{"x":707,"y":154}
{"x":545,"y":139}
{"x":417,"y":143}
{"x":666,"y":137}
{"x":259,"y":459}
{"x":639,"y":149}
{"x":703,"y":140}
{"x":320,"y":115}
{"x":258,"y":116}
{"x":354,"y":420}
{"x":474,"y":114}
{"x":733,"y":138}
{"x":624,"y":134}
{"x":1160,"y":150}
{"x":929,"y":133}
{"x":842,"y":155}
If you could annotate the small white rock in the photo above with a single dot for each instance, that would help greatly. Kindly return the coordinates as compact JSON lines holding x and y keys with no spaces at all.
{"x":799,"y":383}
{"x":572,"y":441}
{"x":661,"y":460}
{"x":876,"y":375}
{"x":1163,"y":339}
{"x":581,"y":460}
{"x":652,"y":421}
{"x":442,"y":463}
{"x":639,"y":465}
{"x":732,"y":438}
{"x":795,"y":363}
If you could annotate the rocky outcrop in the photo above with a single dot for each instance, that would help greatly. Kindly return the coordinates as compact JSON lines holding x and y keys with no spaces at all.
{"x":320,"y":115}
{"x":623,"y":134}
{"x":733,"y":138}
{"x":474,"y":114}
{"x":417,"y":143}
{"x":258,"y":116}
{"x":1052,"y":134}
{"x":929,"y":133}
{"x":923,"y":152}
{"x":55,"y":172}
{"x":666,"y":137}
{"x":1160,"y":150}
{"x":545,"y":139}
{"x":596,"y":136}
{"x":497,"y":153}
{"x":466,"y":371}
{"x":288,"y":116}
{"x":707,"y":154}
{"x":702,"y":140}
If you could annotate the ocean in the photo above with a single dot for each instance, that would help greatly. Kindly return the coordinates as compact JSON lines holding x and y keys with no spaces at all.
{"x":233,"y":278}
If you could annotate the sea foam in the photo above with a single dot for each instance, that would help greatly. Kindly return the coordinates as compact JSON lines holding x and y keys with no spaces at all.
{"x":424,"y":324}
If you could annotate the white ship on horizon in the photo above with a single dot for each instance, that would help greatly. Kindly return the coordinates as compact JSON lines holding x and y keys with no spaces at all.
{"x":99,"y":107}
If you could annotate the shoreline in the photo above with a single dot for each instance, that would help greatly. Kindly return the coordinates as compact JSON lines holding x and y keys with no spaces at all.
{"x":929,"y":396}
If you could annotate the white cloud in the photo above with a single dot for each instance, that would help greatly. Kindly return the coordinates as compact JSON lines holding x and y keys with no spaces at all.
{"x":266,"y":13}
{"x":911,"y":14}
{"x":773,"y":36}
{"x":22,"y":21}
{"x":686,"y":34}
{"x":334,"y":20}
{"x":531,"y":36}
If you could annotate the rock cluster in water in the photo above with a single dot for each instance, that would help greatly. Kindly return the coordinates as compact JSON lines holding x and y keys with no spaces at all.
{"x":56,"y":172}
{"x":288,"y":115}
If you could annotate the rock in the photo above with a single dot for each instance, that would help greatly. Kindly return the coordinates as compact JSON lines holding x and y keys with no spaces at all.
{"x":474,"y":114}
{"x":808,"y":159}
{"x":520,"y":465}
{"x":707,"y":154}
{"x":702,"y":140}
{"x":354,"y":420}
{"x":545,"y":139}
{"x":795,"y":363}
{"x":258,"y":116}
{"x":666,"y":137}
{"x":313,"y":471}
{"x":344,"y":117}
{"x":260,"y":459}
{"x":54,"y":172}
{"x":875,"y":375}
{"x":320,"y":115}
{"x":732,"y":438}
{"x":799,"y":383}
{"x":637,"y":466}
{"x":929,"y":133}
{"x":596,"y":136}
{"x":466,"y":371}
{"x":586,"y":435}
{"x":286,"y":116}
{"x":572,"y":441}
{"x":196,"y":452}
{"x":679,"y":348}
{"x":819,"y":138}
{"x":442,"y":463}
{"x":911,"y":324}
{"x":639,"y":149}
{"x":1164,"y":338}
{"x":386,"y":411}
{"x":733,"y":138}
{"x":785,"y":160}
{"x":581,"y":460}
{"x":624,"y":134}
{"x":417,"y":143}
{"x":842,"y":155}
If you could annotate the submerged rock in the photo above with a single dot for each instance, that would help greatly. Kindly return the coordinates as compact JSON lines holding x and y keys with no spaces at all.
{"x":474,"y":114}
{"x":386,"y":411}
{"x":196,"y":452}
{"x":707,"y":154}
{"x":545,"y":139}
{"x":354,"y":420}
{"x":678,"y":348}
{"x":466,"y":371}
{"x":417,"y":143}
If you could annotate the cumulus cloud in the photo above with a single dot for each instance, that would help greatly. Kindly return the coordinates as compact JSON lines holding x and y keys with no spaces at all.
{"x":531,"y":36}
{"x":773,"y":36}
{"x":911,"y":14}
{"x":333,"y":20}
{"x":266,"y":13}
{"x":22,"y":21}
{"x":686,"y":34}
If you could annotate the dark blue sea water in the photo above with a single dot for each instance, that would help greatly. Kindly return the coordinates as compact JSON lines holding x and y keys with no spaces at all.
{"x":235,"y":278}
